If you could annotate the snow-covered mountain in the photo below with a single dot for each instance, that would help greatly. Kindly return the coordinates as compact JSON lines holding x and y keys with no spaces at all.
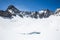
{"x":45,"y":13}
{"x":24,"y":25}
{"x":13,"y":11}
{"x":57,"y":12}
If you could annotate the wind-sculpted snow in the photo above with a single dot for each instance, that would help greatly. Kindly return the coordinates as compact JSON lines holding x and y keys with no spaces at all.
{"x":34,"y":33}
{"x":30,"y":33}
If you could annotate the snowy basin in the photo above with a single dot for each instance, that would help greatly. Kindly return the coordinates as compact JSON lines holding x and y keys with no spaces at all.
{"x":14,"y":29}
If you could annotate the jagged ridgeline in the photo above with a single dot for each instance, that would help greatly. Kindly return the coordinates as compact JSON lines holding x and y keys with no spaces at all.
{"x":13,"y":11}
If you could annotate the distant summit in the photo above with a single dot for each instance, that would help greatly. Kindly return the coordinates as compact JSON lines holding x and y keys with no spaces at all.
{"x":13,"y":11}
{"x":45,"y":13}
{"x":57,"y":12}
{"x":11,"y":7}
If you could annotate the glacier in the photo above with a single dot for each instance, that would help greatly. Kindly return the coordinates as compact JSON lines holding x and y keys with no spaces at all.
{"x":23,"y":25}
{"x":10,"y":29}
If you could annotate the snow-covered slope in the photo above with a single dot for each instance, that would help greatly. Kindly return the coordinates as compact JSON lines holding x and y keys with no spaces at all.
{"x":13,"y":29}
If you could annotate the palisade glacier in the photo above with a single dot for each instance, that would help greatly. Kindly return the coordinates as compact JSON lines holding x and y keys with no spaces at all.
{"x":26,"y":25}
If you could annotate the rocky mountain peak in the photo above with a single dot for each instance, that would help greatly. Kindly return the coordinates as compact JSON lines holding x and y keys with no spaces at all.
{"x":13,"y":11}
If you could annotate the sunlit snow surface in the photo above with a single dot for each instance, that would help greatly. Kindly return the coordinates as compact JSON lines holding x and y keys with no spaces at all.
{"x":13,"y":29}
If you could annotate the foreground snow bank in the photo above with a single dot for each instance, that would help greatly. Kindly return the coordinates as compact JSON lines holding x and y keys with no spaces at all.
{"x":49,"y":28}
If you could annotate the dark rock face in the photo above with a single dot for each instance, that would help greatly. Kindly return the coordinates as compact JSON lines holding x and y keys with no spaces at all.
{"x":35,"y":15}
{"x":47,"y":14}
{"x":26,"y":13}
{"x":13,"y":11}
{"x":41,"y":15}
{"x":5,"y":14}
